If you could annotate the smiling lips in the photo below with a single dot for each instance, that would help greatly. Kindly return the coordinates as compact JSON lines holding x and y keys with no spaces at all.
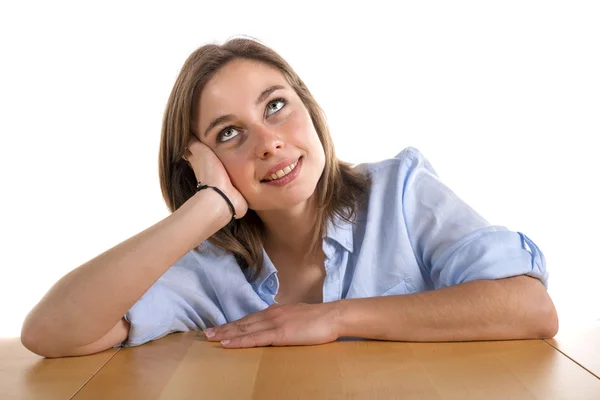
{"x":282,"y":172}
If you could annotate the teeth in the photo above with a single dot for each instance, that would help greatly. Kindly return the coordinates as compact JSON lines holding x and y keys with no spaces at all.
{"x":283,"y":172}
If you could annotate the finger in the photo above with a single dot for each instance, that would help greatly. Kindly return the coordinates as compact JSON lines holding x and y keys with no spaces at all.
{"x":241,"y":330}
{"x":249,"y":319}
{"x":255,"y":339}
{"x":191,"y":148}
{"x":193,"y":144}
{"x":240,"y":326}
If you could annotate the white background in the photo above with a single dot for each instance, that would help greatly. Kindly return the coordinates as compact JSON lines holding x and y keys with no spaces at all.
{"x":503,"y":98}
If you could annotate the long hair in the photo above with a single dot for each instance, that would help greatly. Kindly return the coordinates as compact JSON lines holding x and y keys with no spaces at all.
{"x":340,"y":190}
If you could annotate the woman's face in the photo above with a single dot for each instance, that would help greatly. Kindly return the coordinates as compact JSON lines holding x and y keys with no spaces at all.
{"x":253,"y":120}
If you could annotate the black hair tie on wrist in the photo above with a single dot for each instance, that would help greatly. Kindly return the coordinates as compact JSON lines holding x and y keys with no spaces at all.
{"x":201,"y":186}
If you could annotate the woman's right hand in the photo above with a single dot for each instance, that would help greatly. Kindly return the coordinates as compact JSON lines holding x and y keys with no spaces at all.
{"x":210,"y":171}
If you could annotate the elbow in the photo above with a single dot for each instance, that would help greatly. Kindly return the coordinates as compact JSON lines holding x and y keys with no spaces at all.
{"x":39,"y":348}
{"x":33,"y":340}
{"x":542,"y":315}
{"x":28,"y":339}
{"x":538,"y":318}
{"x":31,"y":343}
{"x":548,"y":320}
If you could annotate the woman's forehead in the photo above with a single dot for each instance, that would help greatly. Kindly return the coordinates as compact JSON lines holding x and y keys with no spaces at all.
{"x":241,"y":78}
{"x":234,"y":88}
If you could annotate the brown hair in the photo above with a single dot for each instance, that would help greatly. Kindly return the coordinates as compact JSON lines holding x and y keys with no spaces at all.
{"x":340,"y":190}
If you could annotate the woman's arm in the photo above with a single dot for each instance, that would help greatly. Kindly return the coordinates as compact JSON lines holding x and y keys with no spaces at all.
{"x":89,"y":303}
{"x":511,"y":308}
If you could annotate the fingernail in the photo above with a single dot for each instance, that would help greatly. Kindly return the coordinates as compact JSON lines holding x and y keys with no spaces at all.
{"x":209,"y":332}
{"x":226,"y":341}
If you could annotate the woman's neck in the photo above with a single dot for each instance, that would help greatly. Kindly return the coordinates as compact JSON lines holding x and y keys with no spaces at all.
{"x":290,"y":230}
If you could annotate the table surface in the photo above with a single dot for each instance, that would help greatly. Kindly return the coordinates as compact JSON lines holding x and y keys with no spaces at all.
{"x":581,"y":344}
{"x":182,"y":365}
{"x":24,"y":375}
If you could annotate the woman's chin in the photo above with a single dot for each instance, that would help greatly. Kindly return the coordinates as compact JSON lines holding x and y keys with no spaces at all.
{"x":286,"y":201}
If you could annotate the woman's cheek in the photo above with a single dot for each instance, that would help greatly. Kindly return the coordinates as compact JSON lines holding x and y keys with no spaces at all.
{"x":296,"y":120}
{"x":235,"y":176}
{"x":302,"y":126}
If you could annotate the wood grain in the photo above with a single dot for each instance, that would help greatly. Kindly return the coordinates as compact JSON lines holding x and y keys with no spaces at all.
{"x":581,"y":344}
{"x":184,"y":366}
{"x":25,"y":375}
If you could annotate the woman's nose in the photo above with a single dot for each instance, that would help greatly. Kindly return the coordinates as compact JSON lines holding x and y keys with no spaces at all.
{"x":268,"y":141}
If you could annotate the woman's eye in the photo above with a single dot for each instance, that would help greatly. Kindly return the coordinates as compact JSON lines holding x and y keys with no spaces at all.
{"x":275,"y":106}
{"x":227,"y":134}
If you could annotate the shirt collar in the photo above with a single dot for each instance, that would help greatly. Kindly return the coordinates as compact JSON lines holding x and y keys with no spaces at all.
{"x":340,"y":230}
{"x":267,"y":270}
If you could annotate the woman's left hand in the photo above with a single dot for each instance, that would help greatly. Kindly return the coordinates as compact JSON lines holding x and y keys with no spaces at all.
{"x":280,"y":325}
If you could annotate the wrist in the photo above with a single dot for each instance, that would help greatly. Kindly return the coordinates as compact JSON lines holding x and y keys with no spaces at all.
{"x":360,"y":317}
{"x":222,"y":194}
{"x":340,"y":317}
{"x":213,"y":207}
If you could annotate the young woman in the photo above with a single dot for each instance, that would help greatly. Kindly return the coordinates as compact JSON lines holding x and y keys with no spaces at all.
{"x":274,"y":241}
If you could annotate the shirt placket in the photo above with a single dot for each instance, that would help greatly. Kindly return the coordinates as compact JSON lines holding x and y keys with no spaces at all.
{"x":332,"y":284}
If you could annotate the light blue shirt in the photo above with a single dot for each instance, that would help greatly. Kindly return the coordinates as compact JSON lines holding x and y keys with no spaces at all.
{"x":413,"y":234}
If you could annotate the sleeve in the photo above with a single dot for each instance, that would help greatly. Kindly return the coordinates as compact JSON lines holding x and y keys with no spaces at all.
{"x":452,"y":241}
{"x":180,"y":300}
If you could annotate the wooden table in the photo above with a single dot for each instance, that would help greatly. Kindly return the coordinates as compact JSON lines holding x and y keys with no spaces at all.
{"x":580,"y":344}
{"x":186,"y":366}
{"x":24,"y":375}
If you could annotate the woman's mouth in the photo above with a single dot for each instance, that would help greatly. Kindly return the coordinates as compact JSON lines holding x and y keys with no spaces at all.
{"x":285,"y":175}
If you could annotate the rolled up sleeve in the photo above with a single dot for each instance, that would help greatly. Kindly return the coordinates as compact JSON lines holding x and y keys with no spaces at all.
{"x":489,"y":253}
{"x":152,"y":315}
{"x":181,"y":300}
{"x":452,"y":241}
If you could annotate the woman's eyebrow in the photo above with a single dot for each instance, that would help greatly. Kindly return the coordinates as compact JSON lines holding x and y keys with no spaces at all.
{"x":226,"y":118}
{"x":263,"y":96}
{"x":218,"y":121}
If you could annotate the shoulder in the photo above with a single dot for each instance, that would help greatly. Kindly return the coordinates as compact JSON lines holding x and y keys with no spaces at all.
{"x":397,"y":169}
